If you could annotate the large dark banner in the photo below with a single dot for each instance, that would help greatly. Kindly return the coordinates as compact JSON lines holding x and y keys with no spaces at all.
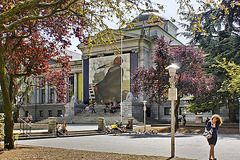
{"x":105,"y":78}
{"x":85,"y":81}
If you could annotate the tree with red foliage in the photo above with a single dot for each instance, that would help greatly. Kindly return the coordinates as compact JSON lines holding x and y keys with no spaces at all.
{"x":153,"y":82}
{"x":190,"y":79}
{"x":34,"y":31}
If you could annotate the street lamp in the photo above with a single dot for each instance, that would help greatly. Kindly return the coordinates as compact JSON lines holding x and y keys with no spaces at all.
{"x":144,"y":118}
{"x":172,"y":95}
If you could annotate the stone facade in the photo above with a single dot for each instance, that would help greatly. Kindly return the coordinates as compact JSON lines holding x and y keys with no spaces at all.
{"x":42,"y":111}
{"x":139,"y":44}
{"x":43,"y":101}
{"x":140,"y":40}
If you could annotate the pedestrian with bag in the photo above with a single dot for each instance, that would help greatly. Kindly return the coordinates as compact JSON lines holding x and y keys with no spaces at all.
{"x":213,"y":126}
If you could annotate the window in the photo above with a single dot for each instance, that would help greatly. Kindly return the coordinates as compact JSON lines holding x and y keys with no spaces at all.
{"x":26,"y":113}
{"x":216,"y":111}
{"x":41,"y":90}
{"x":51,"y":96}
{"x":59,"y":113}
{"x":40,"y":113}
{"x":42,"y":96}
{"x":167,"y":110}
{"x":49,"y":113}
{"x":148,"y":111}
{"x":71,"y":87}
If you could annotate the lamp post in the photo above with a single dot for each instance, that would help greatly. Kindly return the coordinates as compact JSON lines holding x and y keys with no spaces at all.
{"x":144,"y":114}
{"x":172,"y":95}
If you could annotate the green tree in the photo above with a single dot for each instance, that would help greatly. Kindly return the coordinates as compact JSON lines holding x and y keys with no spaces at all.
{"x":215,"y":28}
{"x":233,"y":71}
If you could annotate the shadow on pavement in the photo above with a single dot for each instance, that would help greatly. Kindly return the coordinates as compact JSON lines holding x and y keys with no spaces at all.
{"x":147,"y":135}
{"x":227,"y":136}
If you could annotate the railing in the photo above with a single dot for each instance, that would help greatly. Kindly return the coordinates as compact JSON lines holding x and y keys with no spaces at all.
{"x":25,"y":127}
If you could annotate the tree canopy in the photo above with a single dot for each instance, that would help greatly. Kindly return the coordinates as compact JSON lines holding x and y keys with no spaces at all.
{"x":233,"y":71}
{"x":190,"y":79}
{"x":32,"y":32}
{"x":214,"y":26}
{"x":153,"y":82}
{"x":215,"y":18}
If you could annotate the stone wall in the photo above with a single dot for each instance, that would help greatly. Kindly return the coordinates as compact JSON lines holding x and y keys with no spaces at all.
{"x":41,"y":111}
{"x":137,"y":111}
{"x":160,"y":113}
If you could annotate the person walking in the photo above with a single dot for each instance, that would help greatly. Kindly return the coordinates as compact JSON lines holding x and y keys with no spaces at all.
{"x":214,"y":124}
{"x":207,"y":120}
{"x":184,"y":119}
{"x":93,"y":108}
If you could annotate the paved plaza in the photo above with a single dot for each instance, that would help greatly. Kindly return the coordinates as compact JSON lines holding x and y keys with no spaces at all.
{"x":187,"y":145}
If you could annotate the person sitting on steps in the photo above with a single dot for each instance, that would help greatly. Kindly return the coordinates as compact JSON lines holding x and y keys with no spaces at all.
{"x":64,"y":128}
{"x":58,"y":130}
{"x":118,"y":126}
{"x":129,"y":126}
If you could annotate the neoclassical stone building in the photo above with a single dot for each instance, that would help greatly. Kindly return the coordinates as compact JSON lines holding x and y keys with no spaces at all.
{"x":137,"y":46}
{"x":43,"y":101}
{"x":98,"y":75}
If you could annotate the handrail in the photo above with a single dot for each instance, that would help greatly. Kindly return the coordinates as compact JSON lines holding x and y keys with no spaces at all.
{"x":25,"y":127}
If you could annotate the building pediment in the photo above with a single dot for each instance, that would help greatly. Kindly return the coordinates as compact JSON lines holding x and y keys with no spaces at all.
{"x":117,"y":37}
{"x":100,"y":49}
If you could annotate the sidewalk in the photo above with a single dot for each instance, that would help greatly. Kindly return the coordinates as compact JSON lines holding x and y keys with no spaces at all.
{"x":187,"y":145}
{"x":70,"y":127}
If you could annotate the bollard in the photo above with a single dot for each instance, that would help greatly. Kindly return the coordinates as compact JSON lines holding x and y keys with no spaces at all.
{"x":101,"y":124}
{"x":131,"y":122}
{"x":52,"y":125}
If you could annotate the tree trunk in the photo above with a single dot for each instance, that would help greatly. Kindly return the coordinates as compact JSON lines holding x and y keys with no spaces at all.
{"x":232,"y":115}
{"x":7,"y":106}
{"x":177,"y":102}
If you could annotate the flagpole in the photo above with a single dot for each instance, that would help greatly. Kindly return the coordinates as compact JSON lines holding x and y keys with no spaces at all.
{"x":121,"y":78}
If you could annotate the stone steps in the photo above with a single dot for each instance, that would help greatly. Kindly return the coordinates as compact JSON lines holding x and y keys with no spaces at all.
{"x":40,"y":135}
{"x":87,"y":117}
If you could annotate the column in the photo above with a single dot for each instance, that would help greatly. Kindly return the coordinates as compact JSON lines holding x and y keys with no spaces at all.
{"x":133,"y":65}
{"x":46,"y":92}
{"x":38,"y":94}
{"x":55,"y":95}
{"x":75,"y":85}
{"x":86,"y":81}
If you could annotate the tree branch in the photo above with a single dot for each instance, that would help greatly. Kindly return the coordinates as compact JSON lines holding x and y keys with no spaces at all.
{"x":21,"y":7}
{"x":21,"y":75}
